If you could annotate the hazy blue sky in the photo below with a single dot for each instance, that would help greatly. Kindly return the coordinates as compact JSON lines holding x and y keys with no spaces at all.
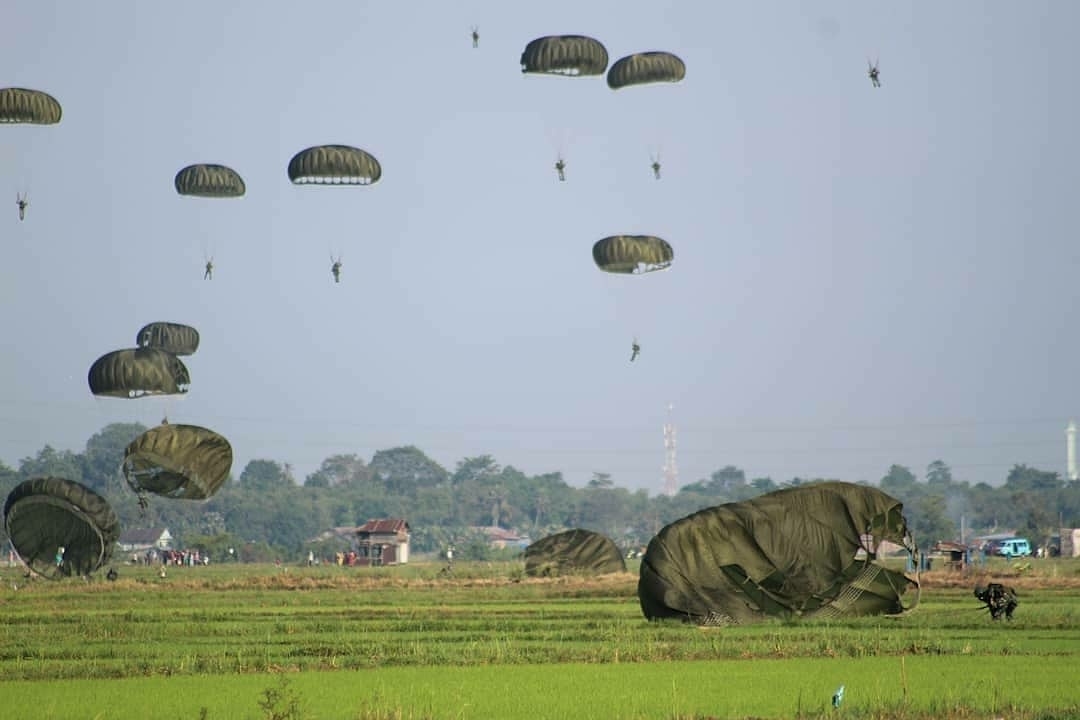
{"x":862,"y":277}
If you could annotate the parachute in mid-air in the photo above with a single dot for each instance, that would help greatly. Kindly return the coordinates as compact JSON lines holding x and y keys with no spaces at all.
{"x":632,"y":254}
{"x":575,"y":55}
{"x":138,"y":372}
{"x":209,"y":181}
{"x":185,"y":462}
{"x":573,"y":552}
{"x":59,"y":527}
{"x":334,"y":165}
{"x":171,"y":337}
{"x":808,"y":551}
{"x":19,"y":105}
{"x":644,"y":68}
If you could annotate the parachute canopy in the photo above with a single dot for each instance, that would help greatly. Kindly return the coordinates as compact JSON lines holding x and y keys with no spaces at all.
{"x":171,"y":337}
{"x":334,"y":165}
{"x":138,"y":372}
{"x":210,"y":181}
{"x":644,"y":68}
{"x":45,"y":514}
{"x":574,"y":552}
{"x":19,"y":105}
{"x":809,"y":551}
{"x":178,"y":461}
{"x":576,"y":55}
{"x":632,"y":254}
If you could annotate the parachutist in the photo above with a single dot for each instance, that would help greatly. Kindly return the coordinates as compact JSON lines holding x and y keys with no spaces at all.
{"x":560,"y":167}
{"x":335,"y":269}
{"x":22,"y":203}
{"x":656,"y":169}
{"x":999,"y":599}
{"x":475,"y":36}
{"x":209,"y":274}
{"x":873,"y":73}
{"x":635,"y":350}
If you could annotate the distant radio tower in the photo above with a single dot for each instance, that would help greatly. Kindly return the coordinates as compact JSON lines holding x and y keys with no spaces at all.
{"x":1070,"y":451}
{"x":671,"y":469}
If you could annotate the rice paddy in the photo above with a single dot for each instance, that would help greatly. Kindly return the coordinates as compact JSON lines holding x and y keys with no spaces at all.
{"x":331,"y":642}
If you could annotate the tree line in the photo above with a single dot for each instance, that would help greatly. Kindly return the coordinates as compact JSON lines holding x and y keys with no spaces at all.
{"x":265,"y":512}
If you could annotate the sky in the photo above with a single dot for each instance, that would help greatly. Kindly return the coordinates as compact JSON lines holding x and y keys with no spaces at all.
{"x":862,"y":276}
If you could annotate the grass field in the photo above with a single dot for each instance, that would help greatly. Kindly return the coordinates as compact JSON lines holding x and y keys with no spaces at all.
{"x":329,"y":642}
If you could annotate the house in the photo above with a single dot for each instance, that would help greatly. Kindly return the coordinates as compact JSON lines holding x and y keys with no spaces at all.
{"x":383,"y":542}
{"x":501,"y":538}
{"x":143,"y":539}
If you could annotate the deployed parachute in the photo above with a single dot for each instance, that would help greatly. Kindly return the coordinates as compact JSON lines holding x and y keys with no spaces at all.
{"x":644,"y":68}
{"x":209,"y":181}
{"x":632,"y":254}
{"x":171,"y":337}
{"x":178,"y":461}
{"x":19,"y":105}
{"x":59,"y":527}
{"x":575,"y":55}
{"x":809,"y":551}
{"x":574,"y":552}
{"x":334,"y":165}
{"x":138,"y":372}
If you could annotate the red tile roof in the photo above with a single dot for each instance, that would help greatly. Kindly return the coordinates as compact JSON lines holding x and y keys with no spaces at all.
{"x":385,"y":525}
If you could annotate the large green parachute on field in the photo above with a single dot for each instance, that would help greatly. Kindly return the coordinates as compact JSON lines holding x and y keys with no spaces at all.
{"x":334,"y":165}
{"x":644,"y":68}
{"x":809,"y":551}
{"x":19,"y":105}
{"x":45,"y":514}
{"x":184,"y":462}
{"x":138,"y":372}
{"x":575,"y":55}
{"x":574,"y":552}
{"x":171,"y":337}
{"x":632,"y":254}
{"x":209,"y":181}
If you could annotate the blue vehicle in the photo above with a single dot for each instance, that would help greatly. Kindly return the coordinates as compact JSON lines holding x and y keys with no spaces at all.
{"x":1012,"y":548}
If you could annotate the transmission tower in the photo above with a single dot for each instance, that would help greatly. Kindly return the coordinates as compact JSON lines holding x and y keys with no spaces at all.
{"x":671,"y":468}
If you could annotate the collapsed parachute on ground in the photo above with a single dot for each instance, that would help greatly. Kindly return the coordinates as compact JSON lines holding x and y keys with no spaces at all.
{"x":632,"y":254}
{"x":808,"y":551}
{"x":574,"y":55}
{"x":184,"y":462}
{"x":574,"y":552}
{"x":209,"y":181}
{"x":334,"y":165}
{"x":45,"y":514}
{"x":19,"y":105}
{"x":644,"y":68}
{"x":138,"y":372}
{"x":171,"y":337}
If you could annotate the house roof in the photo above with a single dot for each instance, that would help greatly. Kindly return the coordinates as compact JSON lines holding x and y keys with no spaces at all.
{"x":142,"y":536}
{"x":384,"y":525}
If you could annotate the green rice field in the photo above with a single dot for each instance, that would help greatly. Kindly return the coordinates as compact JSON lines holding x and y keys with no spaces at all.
{"x":257,"y":641}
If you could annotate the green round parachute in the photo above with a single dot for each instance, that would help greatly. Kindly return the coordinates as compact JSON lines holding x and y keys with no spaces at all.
{"x":19,"y":105}
{"x":138,"y":372}
{"x":171,"y":337}
{"x":60,"y":528}
{"x":574,"y":552}
{"x":644,"y":68}
{"x":334,"y":165}
{"x":632,"y":254}
{"x":209,"y":181}
{"x":185,"y":462}
{"x":808,"y":551}
{"x":574,"y":55}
